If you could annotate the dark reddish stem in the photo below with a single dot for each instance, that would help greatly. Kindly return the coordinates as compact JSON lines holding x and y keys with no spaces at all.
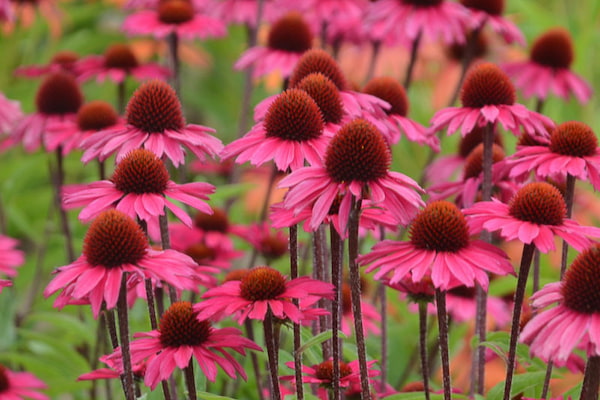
{"x":356,"y":301}
{"x":440,"y":300}
{"x":297,"y":337}
{"x":423,"y":346}
{"x":165,"y":240}
{"x":59,"y":176}
{"x":250,"y":334}
{"x":591,"y":379}
{"x":527,"y":256}
{"x":190,"y":381}
{"x":569,"y":196}
{"x":336,"y":279}
{"x":121,"y":97}
{"x":272,"y":354}
{"x":124,"y":336}
{"x":414,"y":50}
{"x":376,"y":47}
{"x":173,"y":43}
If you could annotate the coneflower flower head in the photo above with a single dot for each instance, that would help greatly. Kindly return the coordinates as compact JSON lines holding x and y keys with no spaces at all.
{"x":553,"y":49}
{"x":492,"y":7}
{"x":324,"y":92}
{"x":318,"y":60}
{"x":485,"y":85}
{"x":175,"y":11}
{"x":294,"y":116}
{"x":59,"y":94}
{"x":179,"y":326}
{"x":573,"y":138}
{"x":96,"y":115}
{"x":141,"y":172}
{"x":290,"y":33}
{"x":120,"y":56}
{"x":155,"y":108}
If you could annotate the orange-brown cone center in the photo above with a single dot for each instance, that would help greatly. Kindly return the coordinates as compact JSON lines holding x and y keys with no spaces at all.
{"x":581,"y":282}
{"x":487,"y":84}
{"x":440,"y":227}
{"x":539,"y":203}
{"x":154,"y":108}
{"x":141,"y":171}
{"x":180,"y":327}
{"x":262,"y":283}
{"x":96,"y":115}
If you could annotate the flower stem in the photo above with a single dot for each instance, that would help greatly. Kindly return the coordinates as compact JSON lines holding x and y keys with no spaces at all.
{"x":297,"y":338}
{"x":440,"y":300}
{"x":150,"y":301}
{"x":58,"y":181}
{"x":173,"y":43}
{"x":376,"y":47}
{"x":468,"y":56}
{"x":478,"y":363}
{"x":324,"y":323}
{"x":165,"y":240}
{"x":250,"y":334}
{"x":539,"y":105}
{"x":124,"y":336}
{"x":336,"y":278}
{"x":356,"y":301}
{"x":569,"y":196}
{"x":591,"y":379}
{"x":413,"y":60}
{"x":527,"y":256}
{"x":423,"y":346}
{"x":547,"y":377}
{"x":121,"y":97}
{"x":384,"y":336}
{"x":271,"y":351}
{"x":190,"y":380}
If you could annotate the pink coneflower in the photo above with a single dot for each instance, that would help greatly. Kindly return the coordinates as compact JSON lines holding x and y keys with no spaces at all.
{"x":468,"y":187}
{"x":92,"y":117}
{"x":354,"y":103}
{"x":370,"y":314}
{"x":174,"y":16}
{"x":462,"y":306}
{"x":489,"y":12}
{"x":372,"y":218}
{"x":403,"y":21}
{"x":207,"y":241}
{"x":20,"y":385}
{"x":57,"y":100}
{"x":548,"y":69}
{"x":534,"y":215}
{"x":446,"y":166}
{"x":553,"y":334}
{"x":114,"y":371}
{"x":115,"y":246}
{"x":440,"y":246}
{"x":154,"y":121}
{"x":62,"y":61}
{"x":263,"y":289}
{"x":244,"y":12}
{"x":356,"y":166}
{"x":10,"y":113}
{"x":390,"y":90}
{"x":488,"y":97}
{"x":139,"y":187}
{"x":290,"y":135}
{"x":180,"y":338}
{"x":10,"y":256}
{"x":117,"y":63}
{"x":322,"y":374}
{"x":268,"y":242}
{"x":289,"y":37}
{"x":572,"y":149}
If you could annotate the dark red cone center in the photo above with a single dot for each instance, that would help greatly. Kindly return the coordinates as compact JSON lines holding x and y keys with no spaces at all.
{"x":290,"y":33}
{"x":180,"y":327}
{"x":155,"y":108}
{"x":318,"y":60}
{"x":325,"y":94}
{"x":574,"y":139}
{"x":96,"y":115}
{"x":141,"y":171}
{"x":440,"y":227}
{"x":486,"y":84}
{"x":59,"y":94}
{"x":120,"y":56}
{"x":294,"y":116}
{"x":553,"y":49}
{"x":390,"y":90}
{"x":540,"y":203}
{"x":262,"y":283}
{"x":581,"y":282}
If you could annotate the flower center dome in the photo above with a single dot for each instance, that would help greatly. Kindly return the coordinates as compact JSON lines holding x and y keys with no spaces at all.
{"x":294,"y":116}
{"x":120,"y":56}
{"x":155,"y":108}
{"x":175,"y":11}
{"x":325,"y":94}
{"x":114,"y":239}
{"x":486,"y":84}
{"x":540,"y":203}
{"x":59,"y":94}
{"x":96,"y":115}
{"x":318,"y":60}
{"x":141,"y":171}
{"x":262,"y":283}
{"x":215,"y":222}
{"x":492,"y":7}
{"x":180,"y":327}
{"x":581,"y":282}
{"x":357,"y":153}
{"x":440,"y":227}
{"x":474,"y":162}
{"x":574,"y":139}
{"x":390,"y":90}
{"x":553,"y":49}
{"x":290,"y":33}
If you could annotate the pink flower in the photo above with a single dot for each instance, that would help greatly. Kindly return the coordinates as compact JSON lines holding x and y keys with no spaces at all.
{"x":467,"y":188}
{"x":182,"y":337}
{"x":115,"y":370}
{"x":488,"y":97}
{"x":289,"y":37}
{"x":548,"y":69}
{"x":10,"y":257}
{"x":57,"y":101}
{"x":490,"y":13}
{"x":322,"y":374}
{"x":155,"y":121}
{"x":572,"y":149}
{"x":118,"y":62}
{"x":391,"y":91}
{"x":268,"y":242}
{"x":554,"y":333}
{"x":139,"y":187}
{"x":402,"y":21}
{"x":440,"y":247}
{"x":113,"y":247}
{"x":261,"y":290}
{"x":244,"y":12}
{"x":534,"y":215}
{"x":92,"y":116}
{"x":20,"y":385}
{"x":10,"y":113}
{"x":290,"y":135}
{"x":356,"y":166}
{"x":62,"y":61}
{"x":174,"y":16}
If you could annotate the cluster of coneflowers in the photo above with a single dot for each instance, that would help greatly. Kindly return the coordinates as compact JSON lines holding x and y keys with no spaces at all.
{"x":154,"y":236}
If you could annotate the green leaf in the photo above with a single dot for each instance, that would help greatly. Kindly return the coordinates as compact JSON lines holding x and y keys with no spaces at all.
{"x":318,"y":339}
{"x":522,"y":383}
{"x":210,"y":396}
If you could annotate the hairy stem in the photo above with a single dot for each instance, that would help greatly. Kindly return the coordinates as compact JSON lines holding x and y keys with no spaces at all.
{"x":336,"y":279}
{"x":440,"y":299}
{"x":413,"y":60}
{"x":271,"y":352}
{"x":423,"y":347}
